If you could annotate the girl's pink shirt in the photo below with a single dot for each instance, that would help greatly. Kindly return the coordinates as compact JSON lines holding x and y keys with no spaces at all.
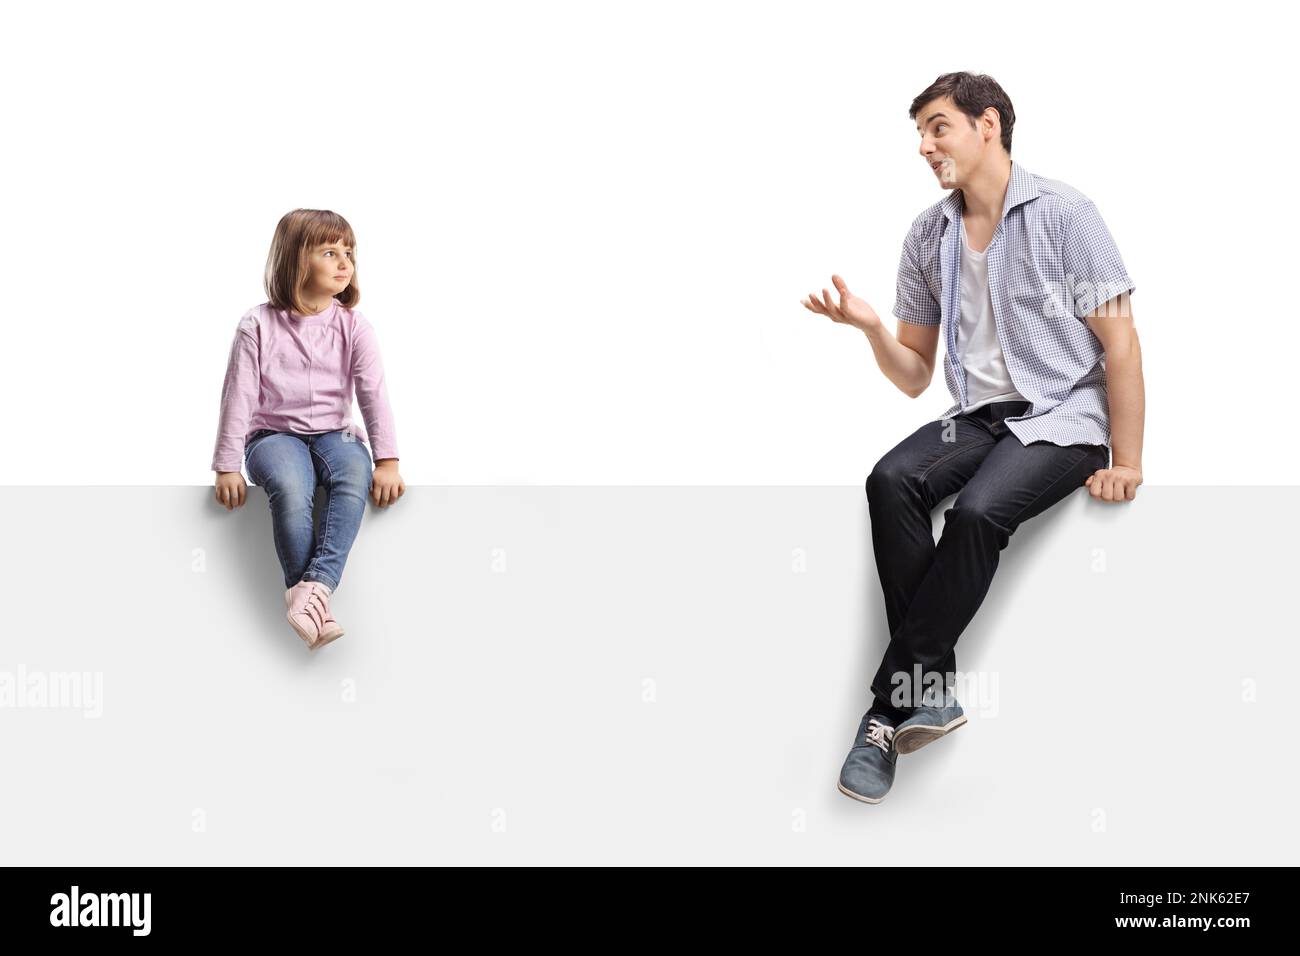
{"x":297,"y":373}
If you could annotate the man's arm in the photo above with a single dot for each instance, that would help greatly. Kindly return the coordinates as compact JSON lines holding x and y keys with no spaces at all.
{"x":924,"y":341}
{"x":908,"y":360}
{"x":1112,"y":323}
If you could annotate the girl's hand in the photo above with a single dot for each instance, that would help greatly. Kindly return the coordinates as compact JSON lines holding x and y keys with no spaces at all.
{"x":231,"y":490}
{"x":387,"y":485}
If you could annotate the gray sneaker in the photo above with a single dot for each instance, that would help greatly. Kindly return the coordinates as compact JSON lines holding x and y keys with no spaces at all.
{"x":868,"y":771}
{"x":927,"y":724}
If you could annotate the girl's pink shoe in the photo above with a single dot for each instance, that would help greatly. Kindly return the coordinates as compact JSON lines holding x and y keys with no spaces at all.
{"x":308,"y":613}
{"x":331,"y":630}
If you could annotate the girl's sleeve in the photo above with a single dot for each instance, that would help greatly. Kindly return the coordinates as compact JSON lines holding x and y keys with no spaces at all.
{"x":239,"y":396}
{"x":372,"y":395}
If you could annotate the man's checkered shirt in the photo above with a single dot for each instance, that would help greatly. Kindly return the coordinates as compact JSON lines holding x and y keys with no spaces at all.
{"x":1051,"y":262}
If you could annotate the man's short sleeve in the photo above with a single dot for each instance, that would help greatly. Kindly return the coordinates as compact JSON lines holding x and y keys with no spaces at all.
{"x":1094,"y":271}
{"x":913,"y":301}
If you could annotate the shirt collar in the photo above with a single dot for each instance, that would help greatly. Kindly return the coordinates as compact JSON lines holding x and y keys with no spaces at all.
{"x":316,"y":318}
{"x":1020,"y":189}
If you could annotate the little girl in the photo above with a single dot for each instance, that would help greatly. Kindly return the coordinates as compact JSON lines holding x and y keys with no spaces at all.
{"x":286,"y":412}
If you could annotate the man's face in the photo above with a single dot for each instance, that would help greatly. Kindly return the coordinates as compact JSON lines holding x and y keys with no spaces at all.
{"x":949,"y":144}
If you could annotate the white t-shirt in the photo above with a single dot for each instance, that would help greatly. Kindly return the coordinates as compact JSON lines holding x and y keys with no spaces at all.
{"x":987,"y":379}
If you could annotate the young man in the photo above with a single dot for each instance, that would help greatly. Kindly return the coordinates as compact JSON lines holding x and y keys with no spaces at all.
{"x":1023,"y":280}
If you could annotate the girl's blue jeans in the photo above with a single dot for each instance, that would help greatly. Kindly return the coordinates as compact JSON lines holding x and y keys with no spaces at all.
{"x":290,"y":466}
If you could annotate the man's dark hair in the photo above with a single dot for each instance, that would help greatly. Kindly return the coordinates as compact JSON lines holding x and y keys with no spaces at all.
{"x":973,"y":93}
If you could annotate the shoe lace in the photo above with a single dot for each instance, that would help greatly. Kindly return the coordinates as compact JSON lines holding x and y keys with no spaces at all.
{"x":878,"y":735}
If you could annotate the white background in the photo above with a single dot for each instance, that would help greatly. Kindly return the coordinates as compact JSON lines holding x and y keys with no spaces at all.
{"x":584,"y":229}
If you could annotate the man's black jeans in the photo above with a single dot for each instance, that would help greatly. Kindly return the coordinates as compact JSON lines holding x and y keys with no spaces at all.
{"x":932,"y":592}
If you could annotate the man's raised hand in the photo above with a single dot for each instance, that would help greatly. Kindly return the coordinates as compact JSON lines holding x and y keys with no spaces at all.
{"x":850,"y":310}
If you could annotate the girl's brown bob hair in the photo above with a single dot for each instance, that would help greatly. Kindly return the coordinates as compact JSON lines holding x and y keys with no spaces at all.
{"x":296,"y":236}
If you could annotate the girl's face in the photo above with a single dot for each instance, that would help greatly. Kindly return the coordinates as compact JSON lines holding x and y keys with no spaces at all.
{"x":331,"y":266}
